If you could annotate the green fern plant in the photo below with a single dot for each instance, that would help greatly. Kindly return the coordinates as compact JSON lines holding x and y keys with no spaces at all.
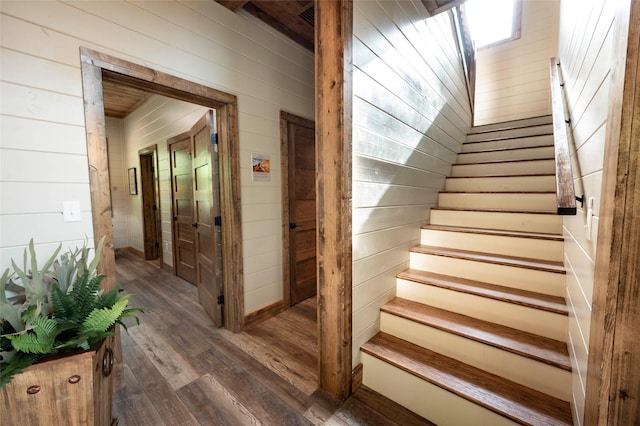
{"x":55,"y":309}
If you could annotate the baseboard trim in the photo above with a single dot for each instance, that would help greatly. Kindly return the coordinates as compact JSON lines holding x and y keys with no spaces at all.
{"x":254,"y":318}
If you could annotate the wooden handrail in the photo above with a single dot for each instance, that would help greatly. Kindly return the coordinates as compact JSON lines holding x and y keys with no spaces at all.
{"x":562,"y":136}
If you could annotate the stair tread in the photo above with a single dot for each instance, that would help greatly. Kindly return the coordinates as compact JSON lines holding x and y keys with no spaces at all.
{"x":506,"y":175}
{"x":542,"y":349}
{"x":494,"y":150}
{"x":545,"y":120}
{"x":516,"y":296}
{"x":514,"y":401}
{"x":491,"y":138}
{"x":499,"y":149}
{"x":499,"y":259}
{"x":547,"y":212}
{"x":496,"y":232}
{"x":503,"y":161}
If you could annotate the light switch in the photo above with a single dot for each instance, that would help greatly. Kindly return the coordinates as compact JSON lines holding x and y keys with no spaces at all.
{"x":588,"y":227}
{"x":71,"y":211}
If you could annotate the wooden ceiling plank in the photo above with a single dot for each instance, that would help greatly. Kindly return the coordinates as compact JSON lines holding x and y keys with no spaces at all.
{"x":233,"y":5}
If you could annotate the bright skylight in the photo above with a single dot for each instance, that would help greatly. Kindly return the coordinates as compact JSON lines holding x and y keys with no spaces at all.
{"x":490,"y":20}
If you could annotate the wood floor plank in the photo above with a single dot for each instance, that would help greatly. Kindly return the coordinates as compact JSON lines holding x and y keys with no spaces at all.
{"x":145,"y":383}
{"x":212,"y":404}
{"x":240,"y":378}
{"x":240,"y":381}
{"x":174,"y":365}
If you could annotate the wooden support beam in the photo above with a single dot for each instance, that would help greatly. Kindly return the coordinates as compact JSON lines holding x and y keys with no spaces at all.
{"x":333,"y":70}
{"x":233,"y":5}
{"x":613,"y":376}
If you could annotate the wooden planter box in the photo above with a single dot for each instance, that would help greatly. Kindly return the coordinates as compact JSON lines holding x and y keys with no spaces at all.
{"x":71,"y":390}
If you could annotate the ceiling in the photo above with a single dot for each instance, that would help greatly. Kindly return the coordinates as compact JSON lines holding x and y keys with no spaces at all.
{"x":293,"y":18}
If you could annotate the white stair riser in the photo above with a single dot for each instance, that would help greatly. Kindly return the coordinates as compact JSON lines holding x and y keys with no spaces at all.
{"x":526,"y":371}
{"x":525,"y":279}
{"x":507,"y":155}
{"x":430,"y":401}
{"x":512,"y":168}
{"x":525,"y":122}
{"x":511,"y":133}
{"x":533,"y":202}
{"x":525,"y":222}
{"x":502,"y":184}
{"x":542,"y":323}
{"x":511,"y":246}
{"x":508,"y":143}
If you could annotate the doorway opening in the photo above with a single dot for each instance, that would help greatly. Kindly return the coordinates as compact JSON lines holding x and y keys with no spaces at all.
{"x":150,"y":189}
{"x":98,"y":67}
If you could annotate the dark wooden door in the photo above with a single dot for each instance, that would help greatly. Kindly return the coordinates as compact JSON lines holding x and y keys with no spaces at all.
{"x":182,"y":194}
{"x":302,"y":210}
{"x":149,"y":207}
{"x":205,"y":208}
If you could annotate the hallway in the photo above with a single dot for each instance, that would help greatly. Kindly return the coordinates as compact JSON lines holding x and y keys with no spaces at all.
{"x":180,"y":371}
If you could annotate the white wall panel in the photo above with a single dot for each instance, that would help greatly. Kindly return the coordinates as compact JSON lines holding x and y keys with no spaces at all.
{"x":410,"y":115}
{"x":513,"y":78}
{"x":585,"y":45}
{"x":42,"y":116}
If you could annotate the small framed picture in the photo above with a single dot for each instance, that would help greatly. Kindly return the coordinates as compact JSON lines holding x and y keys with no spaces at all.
{"x":133,"y":181}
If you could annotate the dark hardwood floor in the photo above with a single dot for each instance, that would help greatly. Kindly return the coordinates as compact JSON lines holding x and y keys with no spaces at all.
{"x":180,"y":370}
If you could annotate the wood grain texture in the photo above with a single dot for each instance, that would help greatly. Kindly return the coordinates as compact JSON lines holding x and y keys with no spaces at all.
{"x":506,"y":294}
{"x":333,"y":68}
{"x":545,"y":350}
{"x":199,"y":375}
{"x":517,"y":234}
{"x":516,"y":402}
{"x":518,"y":262}
{"x":566,"y":196}
{"x":613,"y":381}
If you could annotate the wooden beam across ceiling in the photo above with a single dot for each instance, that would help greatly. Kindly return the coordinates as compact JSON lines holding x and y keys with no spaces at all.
{"x":293,"y":18}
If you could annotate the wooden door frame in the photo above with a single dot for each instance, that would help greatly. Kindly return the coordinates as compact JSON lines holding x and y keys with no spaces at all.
{"x":613,"y":377}
{"x":95,"y":67}
{"x":333,"y":111}
{"x":285,"y":119}
{"x":152,"y":151}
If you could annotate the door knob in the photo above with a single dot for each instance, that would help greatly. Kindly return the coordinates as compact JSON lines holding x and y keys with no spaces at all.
{"x":293,"y":225}
{"x":194,"y":225}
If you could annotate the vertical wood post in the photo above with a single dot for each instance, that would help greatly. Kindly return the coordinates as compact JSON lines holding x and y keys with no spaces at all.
{"x":98,"y":158}
{"x":613,"y":377}
{"x":333,"y":71}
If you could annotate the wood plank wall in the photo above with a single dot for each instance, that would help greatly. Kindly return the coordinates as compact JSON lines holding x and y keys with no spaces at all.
{"x":410,"y":115}
{"x":586,"y":37}
{"x":42,"y":118}
{"x":512,"y":79}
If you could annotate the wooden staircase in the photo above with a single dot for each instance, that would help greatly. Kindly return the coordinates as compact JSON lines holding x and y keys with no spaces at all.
{"x":477,"y":332}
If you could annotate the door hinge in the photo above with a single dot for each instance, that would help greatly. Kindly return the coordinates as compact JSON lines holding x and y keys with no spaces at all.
{"x":214,"y":138}
{"x":155,"y":207}
{"x":221,"y":299}
{"x":157,"y":245}
{"x":217,"y":221}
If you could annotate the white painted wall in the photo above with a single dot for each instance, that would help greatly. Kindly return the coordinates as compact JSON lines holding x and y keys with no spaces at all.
{"x":43,"y":147}
{"x":513,"y":78}
{"x":586,"y":30}
{"x":410,"y":115}
{"x":119,"y":181}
